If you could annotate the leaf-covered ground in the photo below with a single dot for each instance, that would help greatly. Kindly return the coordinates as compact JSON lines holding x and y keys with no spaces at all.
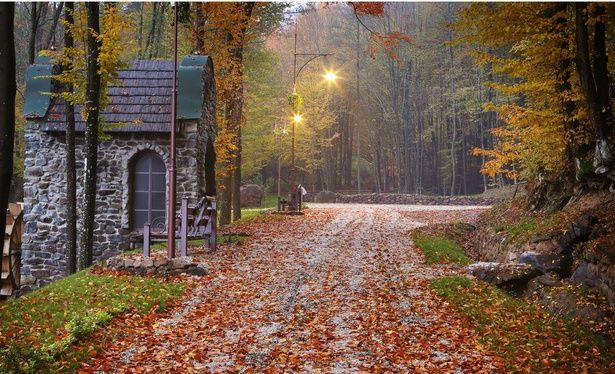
{"x":341,"y":289}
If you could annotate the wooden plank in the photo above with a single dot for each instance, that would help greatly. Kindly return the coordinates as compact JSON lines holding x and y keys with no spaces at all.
{"x":183,"y":234}
{"x":146,"y":238}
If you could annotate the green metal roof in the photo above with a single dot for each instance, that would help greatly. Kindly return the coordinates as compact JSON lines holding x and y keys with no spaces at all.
{"x":38,"y":89}
{"x":190,"y":86}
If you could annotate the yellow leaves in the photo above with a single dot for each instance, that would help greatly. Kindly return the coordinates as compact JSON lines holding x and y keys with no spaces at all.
{"x":525,"y":43}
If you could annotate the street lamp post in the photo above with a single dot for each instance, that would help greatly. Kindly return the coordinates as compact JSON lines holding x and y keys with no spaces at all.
{"x":330,"y":76}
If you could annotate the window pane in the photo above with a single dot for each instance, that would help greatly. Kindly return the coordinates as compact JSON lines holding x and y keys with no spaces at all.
{"x":141,"y":200}
{"x":158,"y":164}
{"x":143,"y":163}
{"x":141,"y":182}
{"x":139,"y":219}
{"x":158,"y":200}
{"x":158,"y":183}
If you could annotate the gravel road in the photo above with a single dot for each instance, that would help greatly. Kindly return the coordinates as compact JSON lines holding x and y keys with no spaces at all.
{"x":341,"y":289}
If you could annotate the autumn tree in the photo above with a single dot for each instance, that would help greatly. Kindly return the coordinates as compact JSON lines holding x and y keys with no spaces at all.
{"x":230,"y":27}
{"x":555,"y":85}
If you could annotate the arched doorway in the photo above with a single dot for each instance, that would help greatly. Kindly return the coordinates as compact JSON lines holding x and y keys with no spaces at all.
{"x":148,"y":191}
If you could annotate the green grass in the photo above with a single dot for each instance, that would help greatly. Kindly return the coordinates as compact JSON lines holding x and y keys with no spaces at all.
{"x":440,"y":250}
{"x":269,"y":202}
{"x":524,"y":336}
{"x":45,"y":324}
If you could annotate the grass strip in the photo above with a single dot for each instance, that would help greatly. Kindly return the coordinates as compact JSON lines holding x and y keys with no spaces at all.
{"x":440,"y":250}
{"x":38,"y":327}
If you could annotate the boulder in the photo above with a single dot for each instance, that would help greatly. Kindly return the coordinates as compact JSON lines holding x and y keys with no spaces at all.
{"x":325,"y":197}
{"x":504,"y":274}
{"x":250,"y":195}
{"x":548,"y":262}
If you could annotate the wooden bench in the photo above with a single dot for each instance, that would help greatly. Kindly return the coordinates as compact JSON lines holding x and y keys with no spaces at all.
{"x":199,"y":222}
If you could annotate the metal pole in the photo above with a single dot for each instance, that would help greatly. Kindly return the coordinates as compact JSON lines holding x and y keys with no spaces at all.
{"x":293,"y":172}
{"x":172,"y":197}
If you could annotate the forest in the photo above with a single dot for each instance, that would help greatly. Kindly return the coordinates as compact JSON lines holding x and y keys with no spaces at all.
{"x":431,"y":98}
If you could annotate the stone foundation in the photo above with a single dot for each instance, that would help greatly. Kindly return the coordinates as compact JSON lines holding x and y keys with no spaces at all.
{"x":139,"y":265}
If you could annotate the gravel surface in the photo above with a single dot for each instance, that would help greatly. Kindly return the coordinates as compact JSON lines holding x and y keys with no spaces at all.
{"x":341,"y":289}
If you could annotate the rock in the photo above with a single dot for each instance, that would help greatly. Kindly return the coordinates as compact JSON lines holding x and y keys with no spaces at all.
{"x":503,"y":274}
{"x":196,"y":270}
{"x":27,"y":280}
{"x":325,"y":197}
{"x":548,"y":280}
{"x":548,"y":262}
{"x":250,"y":195}
{"x":570,"y":304}
{"x":580,"y":274}
{"x":160,"y":261}
{"x":179,"y":262}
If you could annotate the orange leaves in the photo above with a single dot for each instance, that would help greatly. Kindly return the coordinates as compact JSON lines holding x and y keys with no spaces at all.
{"x":368,"y":8}
{"x":389,"y":42}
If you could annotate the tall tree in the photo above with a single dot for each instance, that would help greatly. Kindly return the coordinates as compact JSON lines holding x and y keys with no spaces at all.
{"x":91,"y":134}
{"x":54,"y":24}
{"x":71,"y":172}
{"x":236,"y":107}
{"x":595,"y":82}
{"x":35,"y":16}
{"x":8,"y":89}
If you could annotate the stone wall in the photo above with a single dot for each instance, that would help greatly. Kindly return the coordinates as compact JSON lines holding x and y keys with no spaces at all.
{"x":392,"y":198}
{"x":44,"y":241}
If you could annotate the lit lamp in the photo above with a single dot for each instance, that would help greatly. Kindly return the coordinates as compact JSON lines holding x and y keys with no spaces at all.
{"x":330,"y":76}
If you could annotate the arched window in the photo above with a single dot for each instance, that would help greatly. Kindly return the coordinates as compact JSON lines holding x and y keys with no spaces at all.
{"x":149,"y":191}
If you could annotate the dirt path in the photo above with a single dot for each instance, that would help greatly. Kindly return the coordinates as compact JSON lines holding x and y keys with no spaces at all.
{"x":339,"y":290}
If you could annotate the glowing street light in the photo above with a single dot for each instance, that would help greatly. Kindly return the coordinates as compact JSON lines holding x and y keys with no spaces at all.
{"x":330,"y":76}
{"x":297,"y":118}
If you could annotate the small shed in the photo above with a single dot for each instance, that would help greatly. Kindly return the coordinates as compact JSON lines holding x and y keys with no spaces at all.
{"x":132,"y":159}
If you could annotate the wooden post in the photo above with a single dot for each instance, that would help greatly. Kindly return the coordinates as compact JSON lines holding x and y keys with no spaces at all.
{"x":146,"y":240}
{"x":213,"y":240}
{"x":183,"y":231}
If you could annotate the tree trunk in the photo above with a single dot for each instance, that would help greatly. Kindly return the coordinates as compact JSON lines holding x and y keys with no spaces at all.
{"x":358,"y":94}
{"x":226,"y":196}
{"x":199,"y":27}
{"x":71,"y":172}
{"x":91,"y":137}
{"x":588,"y":79}
{"x":140,"y":37}
{"x":8,"y":89}
{"x":152,"y":30}
{"x":237,"y":104}
{"x":454,"y":114}
{"x":52,"y":31}
{"x":33,"y":30}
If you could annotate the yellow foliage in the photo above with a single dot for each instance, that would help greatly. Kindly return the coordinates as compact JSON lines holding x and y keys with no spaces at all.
{"x":524,"y":45}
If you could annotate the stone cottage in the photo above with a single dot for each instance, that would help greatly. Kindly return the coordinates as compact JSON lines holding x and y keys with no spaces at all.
{"x":132,"y":158}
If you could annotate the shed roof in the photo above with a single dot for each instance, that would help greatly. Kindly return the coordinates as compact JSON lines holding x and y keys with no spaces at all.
{"x":140,"y":100}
